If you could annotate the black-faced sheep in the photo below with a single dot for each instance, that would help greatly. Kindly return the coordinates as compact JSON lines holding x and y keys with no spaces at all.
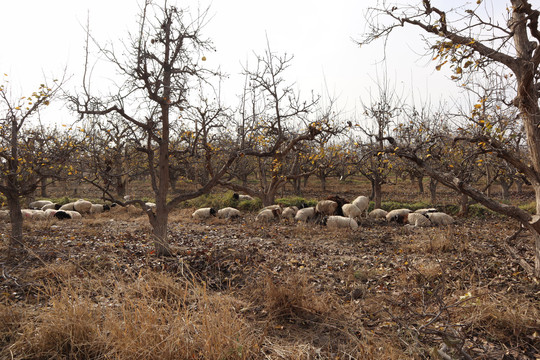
{"x":378,"y":214}
{"x":439,"y":218}
{"x":228,"y":213}
{"x":425,"y":211}
{"x":204,"y":213}
{"x":39,"y":204}
{"x":341,"y":222}
{"x":51,"y":206}
{"x":340,"y":201}
{"x":326,"y":207}
{"x":362,"y":203}
{"x":398,"y":215}
{"x":61,"y":215}
{"x":305,"y":214}
{"x":99,"y":208}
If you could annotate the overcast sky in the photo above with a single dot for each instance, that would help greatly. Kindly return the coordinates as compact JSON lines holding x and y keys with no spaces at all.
{"x":46,"y":37}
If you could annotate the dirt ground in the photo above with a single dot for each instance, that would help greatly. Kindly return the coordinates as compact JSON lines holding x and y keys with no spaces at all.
{"x":299,"y":290}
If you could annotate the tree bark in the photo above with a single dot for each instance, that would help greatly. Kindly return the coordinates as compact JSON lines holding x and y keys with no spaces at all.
{"x":16,"y":218}
{"x":433,"y":190}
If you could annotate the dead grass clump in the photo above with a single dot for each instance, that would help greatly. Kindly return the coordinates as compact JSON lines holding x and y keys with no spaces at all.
{"x":505,"y":319}
{"x":11,"y":319}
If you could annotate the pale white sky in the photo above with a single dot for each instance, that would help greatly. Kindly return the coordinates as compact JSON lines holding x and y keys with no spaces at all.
{"x":46,"y":37}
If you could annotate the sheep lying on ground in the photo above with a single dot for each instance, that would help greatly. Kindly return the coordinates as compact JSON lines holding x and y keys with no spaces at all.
{"x":51,"y":206}
{"x":68,"y":207}
{"x":439,"y":218}
{"x":82,"y":206}
{"x":398,"y":215}
{"x":362,"y":203}
{"x":378,"y":214}
{"x":99,"y":208}
{"x":305,"y":214}
{"x":341,"y":222}
{"x":228,"y":213}
{"x":204,"y":213}
{"x":39,"y":204}
{"x":425,"y":211}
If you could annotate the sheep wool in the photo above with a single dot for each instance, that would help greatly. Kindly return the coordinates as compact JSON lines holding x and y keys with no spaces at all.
{"x":341,"y":222}
{"x":82,"y":206}
{"x":418,"y":220}
{"x":244,"y":198}
{"x":326,"y":207}
{"x":67,"y":207}
{"x":397,"y":215}
{"x":228,"y":213}
{"x":362,"y":203}
{"x":99,"y":208}
{"x":425,"y":211}
{"x":74,"y":214}
{"x":39,"y":204}
{"x":289,"y":212}
{"x":378,"y":214}
{"x":266,"y":215}
{"x":305,"y":214}
{"x":352,"y":211}
{"x":51,"y":206}
{"x":204,"y":213}
{"x":440,"y":218}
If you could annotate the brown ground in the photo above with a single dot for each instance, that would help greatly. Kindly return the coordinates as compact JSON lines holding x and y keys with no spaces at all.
{"x":236,"y":289}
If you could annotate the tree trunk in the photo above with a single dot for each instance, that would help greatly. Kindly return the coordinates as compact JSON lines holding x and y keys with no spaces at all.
{"x":306,"y":178}
{"x":323,"y":183}
{"x":433,"y":190}
{"x":519,"y":186}
{"x":420,"y":182}
{"x":505,"y":190}
{"x":159,"y":229}
{"x":16,"y":218}
{"x":44,"y":187}
{"x":297,"y":185}
{"x":464,"y":205}
{"x":377,"y":193}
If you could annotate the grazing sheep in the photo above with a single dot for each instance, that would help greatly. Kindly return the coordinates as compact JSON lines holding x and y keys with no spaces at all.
{"x":341,"y":222}
{"x":425,"y":211}
{"x":340,"y":201}
{"x":440,"y":218}
{"x":267,"y":215}
{"x":289,"y":212}
{"x":352,"y":211}
{"x":362,"y":203}
{"x":228,"y":213}
{"x":204,"y":213}
{"x":82,"y":206}
{"x":378,"y":214}
{"x":151,"y":205}
{"x":272,"y":207}
{"x":51,"y":206}
{"x":67,"y":207}
{"x":326,"y":207}
{"x":241,"y":197}
{"x":398,"y":215}
{"x":74,"y":214}
{"x":305,"y":214}
{"x":418,"y":219}
{"x":39,"y":204}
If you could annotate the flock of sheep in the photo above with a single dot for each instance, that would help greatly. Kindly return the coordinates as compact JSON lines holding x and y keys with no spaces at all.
{"x":333,"y":212}
{"x":45,"y":209}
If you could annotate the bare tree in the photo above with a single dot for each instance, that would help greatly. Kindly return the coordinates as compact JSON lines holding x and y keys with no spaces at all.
{"x":27,"y":154}
{"x":162,"y":64}
{"x":473,"y":42}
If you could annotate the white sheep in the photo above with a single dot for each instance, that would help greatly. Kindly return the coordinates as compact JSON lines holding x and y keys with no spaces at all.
{"x":397,"y":215}
{"x":352,"y":211}
{"x":99,"y":208}
{"x":418,"y":219}
{"x":39,"y":204}
{"x":272,"y":207}
{"x":267,"y":215}
{"x":341,"y":222}
{"x":228,"y":213}
{"x":67,"y":207}
{"x":289,"y":212}
{"x":59,"y":214}
{"x":82,"y":206}
{"x":28,"y":213}
{"x":362,"y":203}
{"x":244,"y":198}
{"x":305,"y":214}
{"x":440,"y":218}
{"x":425,"y":211}
{"x":204,"y":213}
{"x":326,"y":207}
{"x":378,"y":214}
{"x":74,"y":214}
